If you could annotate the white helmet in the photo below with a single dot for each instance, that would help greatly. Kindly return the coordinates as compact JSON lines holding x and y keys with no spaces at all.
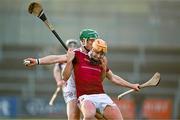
{"x":72,"y":43}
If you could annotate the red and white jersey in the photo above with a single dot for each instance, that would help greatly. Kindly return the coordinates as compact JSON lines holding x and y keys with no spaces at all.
{"x":87,"y":76}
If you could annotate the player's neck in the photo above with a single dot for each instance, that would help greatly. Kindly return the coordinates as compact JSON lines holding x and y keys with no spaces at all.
{"x":83,"y":49}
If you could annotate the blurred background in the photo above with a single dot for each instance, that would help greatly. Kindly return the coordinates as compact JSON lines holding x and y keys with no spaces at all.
{"x":143,"y":37}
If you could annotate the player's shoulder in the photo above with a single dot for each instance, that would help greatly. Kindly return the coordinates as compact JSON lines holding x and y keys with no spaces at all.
{"x":78,"y":51}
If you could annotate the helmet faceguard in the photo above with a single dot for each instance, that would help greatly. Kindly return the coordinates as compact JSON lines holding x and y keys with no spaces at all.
{"x":87,"y":34}
{"x":99,"y":49}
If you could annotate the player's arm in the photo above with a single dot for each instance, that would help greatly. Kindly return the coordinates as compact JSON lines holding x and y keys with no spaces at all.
{"x":69,"y":65}
{"x":104,"y":66}
{"x":57,"y":75}
{"x":120,"y":81}
{"x":50,"y":59}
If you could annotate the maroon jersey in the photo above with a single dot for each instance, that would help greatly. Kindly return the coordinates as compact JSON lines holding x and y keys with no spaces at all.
{"x":87,"y":76}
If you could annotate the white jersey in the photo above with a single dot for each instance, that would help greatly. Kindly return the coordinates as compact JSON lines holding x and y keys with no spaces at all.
{"x":69,"y":89}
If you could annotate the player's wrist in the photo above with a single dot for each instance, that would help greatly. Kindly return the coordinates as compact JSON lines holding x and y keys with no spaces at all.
{"x":38,"y":61}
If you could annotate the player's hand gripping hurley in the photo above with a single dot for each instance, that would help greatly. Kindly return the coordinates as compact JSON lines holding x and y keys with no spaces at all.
{"x":36,"y":9}
{"x":154,"y":81}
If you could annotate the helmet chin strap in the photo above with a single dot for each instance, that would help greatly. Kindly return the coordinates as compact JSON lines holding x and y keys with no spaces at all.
{"x":86,"y":49}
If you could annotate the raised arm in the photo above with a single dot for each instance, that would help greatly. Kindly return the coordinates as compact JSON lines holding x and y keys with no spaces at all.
{"x":120,"y":81}
{"x":69,"y":65}
{"x":50,"y":59}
